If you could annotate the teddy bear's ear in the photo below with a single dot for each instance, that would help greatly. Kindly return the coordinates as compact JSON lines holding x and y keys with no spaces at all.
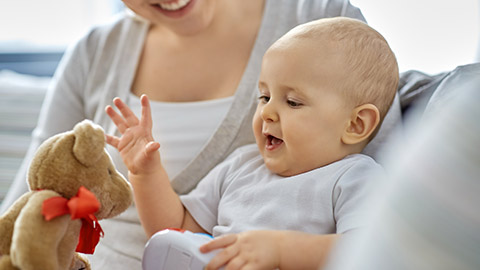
{"x":89,"y":142}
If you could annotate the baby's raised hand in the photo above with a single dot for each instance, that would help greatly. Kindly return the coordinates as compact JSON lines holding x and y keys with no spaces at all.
{"x":136,"y":145}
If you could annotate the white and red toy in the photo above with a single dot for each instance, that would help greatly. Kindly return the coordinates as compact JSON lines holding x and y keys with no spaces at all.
{"x":176,"y":249}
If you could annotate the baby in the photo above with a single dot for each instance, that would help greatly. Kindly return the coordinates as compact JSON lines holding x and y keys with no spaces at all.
{"x":324,"y":90}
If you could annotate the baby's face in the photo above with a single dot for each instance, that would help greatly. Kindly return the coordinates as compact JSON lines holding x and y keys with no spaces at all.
{"x":301,"y":115}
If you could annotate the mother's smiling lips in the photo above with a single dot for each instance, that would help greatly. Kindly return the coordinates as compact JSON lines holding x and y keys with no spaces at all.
{"x":173,"y":5}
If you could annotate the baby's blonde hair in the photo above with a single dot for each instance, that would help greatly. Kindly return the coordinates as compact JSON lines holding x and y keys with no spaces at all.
{"x":371,"y":74}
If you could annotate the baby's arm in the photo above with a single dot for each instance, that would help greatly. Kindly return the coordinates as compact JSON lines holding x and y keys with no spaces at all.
{"x":158,"y":205}
{"x":271,"y":250}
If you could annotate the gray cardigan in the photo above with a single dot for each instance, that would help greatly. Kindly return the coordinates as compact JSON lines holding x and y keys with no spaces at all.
{"x":101,"y":66}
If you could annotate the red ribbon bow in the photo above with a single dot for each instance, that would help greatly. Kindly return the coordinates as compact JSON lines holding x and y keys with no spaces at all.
{"x":81,"y":206}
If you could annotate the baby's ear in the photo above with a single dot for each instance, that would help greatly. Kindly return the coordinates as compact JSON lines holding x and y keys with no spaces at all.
{"x":363,"y":122}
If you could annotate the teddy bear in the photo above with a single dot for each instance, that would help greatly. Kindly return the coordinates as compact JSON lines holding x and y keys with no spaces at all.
{"x":73,"y":184}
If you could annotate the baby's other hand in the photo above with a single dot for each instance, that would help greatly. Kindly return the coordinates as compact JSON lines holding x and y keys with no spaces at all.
{"x":136,"y":145}
{"x":247,"y":250}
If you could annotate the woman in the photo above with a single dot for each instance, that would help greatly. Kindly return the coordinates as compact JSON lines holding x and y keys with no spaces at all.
{"x":198,"y":61}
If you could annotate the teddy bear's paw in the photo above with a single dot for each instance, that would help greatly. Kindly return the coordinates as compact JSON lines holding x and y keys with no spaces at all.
{"x":6,"y":263}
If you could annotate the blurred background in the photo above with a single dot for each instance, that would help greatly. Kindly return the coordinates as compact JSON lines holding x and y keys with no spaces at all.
{"x":34,"y":34}
{"x":427,"y":35}
{"x":431,"y":36}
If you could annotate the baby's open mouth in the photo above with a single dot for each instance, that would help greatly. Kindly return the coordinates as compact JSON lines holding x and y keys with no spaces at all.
{"x":273,"y":142}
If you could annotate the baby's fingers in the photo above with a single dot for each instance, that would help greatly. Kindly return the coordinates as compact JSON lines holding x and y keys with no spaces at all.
{"x":128,"y":116}
{"x":219,"y":242}
{"x":151,"y":147}
{"x":227,"y":255}
{"x":112,"y":140}
{"x":146,"y":119}
{"x":117,"y":119}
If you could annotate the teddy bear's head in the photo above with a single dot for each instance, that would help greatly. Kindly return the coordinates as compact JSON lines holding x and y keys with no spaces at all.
{"x":76,"y":158}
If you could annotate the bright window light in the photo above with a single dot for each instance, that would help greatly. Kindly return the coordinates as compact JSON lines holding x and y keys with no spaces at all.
{"x":49,"y":24}
{"x":427,"y":35}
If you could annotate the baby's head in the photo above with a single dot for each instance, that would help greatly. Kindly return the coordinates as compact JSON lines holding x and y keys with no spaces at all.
{"x":325,"y":87}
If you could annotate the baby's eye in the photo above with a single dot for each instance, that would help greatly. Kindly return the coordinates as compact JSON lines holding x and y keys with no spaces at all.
{"x":264,"y":98}
{"x":293,"y":104}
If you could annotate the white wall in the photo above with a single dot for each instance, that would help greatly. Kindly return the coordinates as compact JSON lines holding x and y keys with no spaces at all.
{"x":427,"y":35}
{"x":477,"y":59}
